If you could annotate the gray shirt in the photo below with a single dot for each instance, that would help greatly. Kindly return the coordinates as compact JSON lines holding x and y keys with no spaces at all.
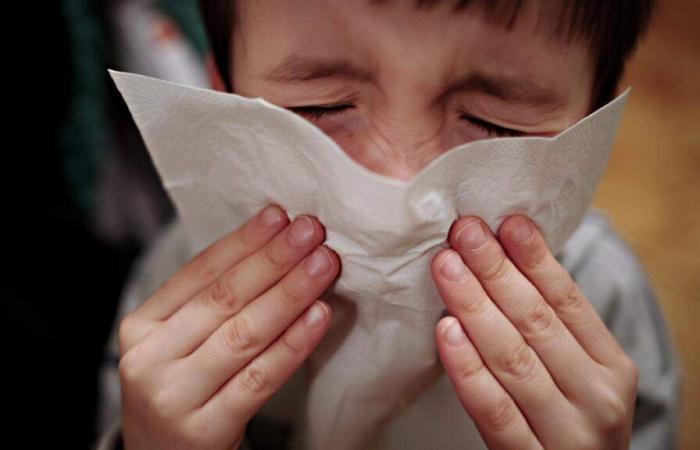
{"x":606,"y":270}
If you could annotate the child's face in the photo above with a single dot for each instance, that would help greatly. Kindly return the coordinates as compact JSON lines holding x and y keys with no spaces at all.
{"x":416,"y":82}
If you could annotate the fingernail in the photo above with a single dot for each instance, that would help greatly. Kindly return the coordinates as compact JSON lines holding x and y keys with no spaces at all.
{"x":453,"y":268}
{"x":318,"y":263}
{"x":454,"y":334}
{"x":302,"y":232}
{"x":271,"y":216}
{"x":521,"y":232}
{"x":315,"y":314}
{"x":471,"y":236}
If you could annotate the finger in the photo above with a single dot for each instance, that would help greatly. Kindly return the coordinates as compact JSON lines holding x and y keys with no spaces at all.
{"x":495,"y":414}
{"x":502,"y":348}
{"x":530,"y":253}
{"x":524,"y":307}
{"x":208,"y":264}
{"x":200,"y":271}
{"x":249,"y":332}
{"x":185,"y":330}
{"x":245,"y":393}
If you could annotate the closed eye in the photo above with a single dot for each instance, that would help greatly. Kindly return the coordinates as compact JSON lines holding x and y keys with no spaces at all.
{"x":320,"y":111}
{"x":491,"y":128}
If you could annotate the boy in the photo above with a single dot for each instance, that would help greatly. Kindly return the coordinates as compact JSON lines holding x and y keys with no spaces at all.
{"x":396,"y":83}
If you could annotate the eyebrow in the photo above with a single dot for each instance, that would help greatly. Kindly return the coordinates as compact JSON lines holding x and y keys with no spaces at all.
{"x":510,"y":90}
{"x":298,"y":68}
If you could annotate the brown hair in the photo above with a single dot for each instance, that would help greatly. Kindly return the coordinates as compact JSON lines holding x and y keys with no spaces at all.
{"x":610,"y":27}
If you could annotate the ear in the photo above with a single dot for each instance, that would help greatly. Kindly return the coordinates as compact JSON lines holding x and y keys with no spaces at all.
{"x":215,"y":79}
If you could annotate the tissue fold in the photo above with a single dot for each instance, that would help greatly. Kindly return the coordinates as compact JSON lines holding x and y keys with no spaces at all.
{"x":222,"y":157}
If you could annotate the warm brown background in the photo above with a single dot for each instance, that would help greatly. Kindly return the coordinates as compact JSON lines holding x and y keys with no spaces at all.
{"x":651,"y":189}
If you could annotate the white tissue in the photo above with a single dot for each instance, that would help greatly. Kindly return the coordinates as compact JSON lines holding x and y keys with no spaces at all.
{"x":222,"y":157}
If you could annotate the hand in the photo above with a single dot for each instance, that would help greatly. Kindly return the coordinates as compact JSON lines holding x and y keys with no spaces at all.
{"x":536,"y":368}
{"x":202,"y":354}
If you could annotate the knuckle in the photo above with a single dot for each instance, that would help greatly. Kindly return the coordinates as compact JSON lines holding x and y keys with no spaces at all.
{"x":634,"y":376}
{"x":200,"y":264}
{"x":130,"y":368}
{"x":582,"y":438}
{"x":275,"y":256}
{"x":126,"y":330}
{"x":538,"y":321}
{"x":161,"y":404}
{"x":496,"y":270}
{"x":199,"y":427}
{"x":629,"y":374}
{"x":197,"y":263}
{"x":254,"y":379}
{"x":629,"y":368}
{"x":613,"y":413}
{"x":192,"y":439}
{"x":520,"y":363}
{"x":222,"y":294}
{"x":469,"y":369}
{"x":501,"y":415}
{"x":297,"y":350}
{"x":475,"y":305}
{"x":537,"y":260}
{"x":291,"y":294}
{"x":569,"y":301}
{"x":238,"y":335}
{"x":248,"y":234}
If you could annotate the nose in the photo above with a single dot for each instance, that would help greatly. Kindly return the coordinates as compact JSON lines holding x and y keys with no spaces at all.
{"x":395,"y":145}
{"x":400,"y":163}
{"x":400,"y":157}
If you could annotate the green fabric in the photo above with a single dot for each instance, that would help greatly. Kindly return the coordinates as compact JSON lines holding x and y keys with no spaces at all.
{"x":186,"y":14}
{"x":84,"y":139}
{"x":86,"y":131}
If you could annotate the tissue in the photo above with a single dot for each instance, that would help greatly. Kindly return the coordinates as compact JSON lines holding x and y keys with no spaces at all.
{"x":222,"y":157}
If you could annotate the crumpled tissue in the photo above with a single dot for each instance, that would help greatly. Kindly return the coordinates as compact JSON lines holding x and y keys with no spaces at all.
{"x":222,"y":157}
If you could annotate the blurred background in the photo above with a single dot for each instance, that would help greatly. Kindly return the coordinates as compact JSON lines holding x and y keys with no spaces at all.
{"x":651,"y":189}
{"x":72,"y":240}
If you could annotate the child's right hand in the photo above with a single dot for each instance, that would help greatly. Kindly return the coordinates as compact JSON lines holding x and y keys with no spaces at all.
{"x":205,"y":351}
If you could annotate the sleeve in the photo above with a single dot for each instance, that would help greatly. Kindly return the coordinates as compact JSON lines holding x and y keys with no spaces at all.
{"x":612,"y":278}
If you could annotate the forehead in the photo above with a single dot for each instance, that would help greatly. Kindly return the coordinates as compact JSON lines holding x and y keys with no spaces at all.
{"x":394,"y":38}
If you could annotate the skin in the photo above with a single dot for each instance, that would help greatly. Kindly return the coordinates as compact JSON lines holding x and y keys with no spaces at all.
{"x":530,"y":360}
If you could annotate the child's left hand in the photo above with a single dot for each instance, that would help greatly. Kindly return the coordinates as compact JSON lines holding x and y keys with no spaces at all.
{"x":537,"y":367}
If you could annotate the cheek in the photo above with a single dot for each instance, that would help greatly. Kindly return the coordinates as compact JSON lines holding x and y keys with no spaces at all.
{"x":346,"y":133}
{"x":461,"y":133}
{"x":354,"y":146}
{"x":353,"y":139}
